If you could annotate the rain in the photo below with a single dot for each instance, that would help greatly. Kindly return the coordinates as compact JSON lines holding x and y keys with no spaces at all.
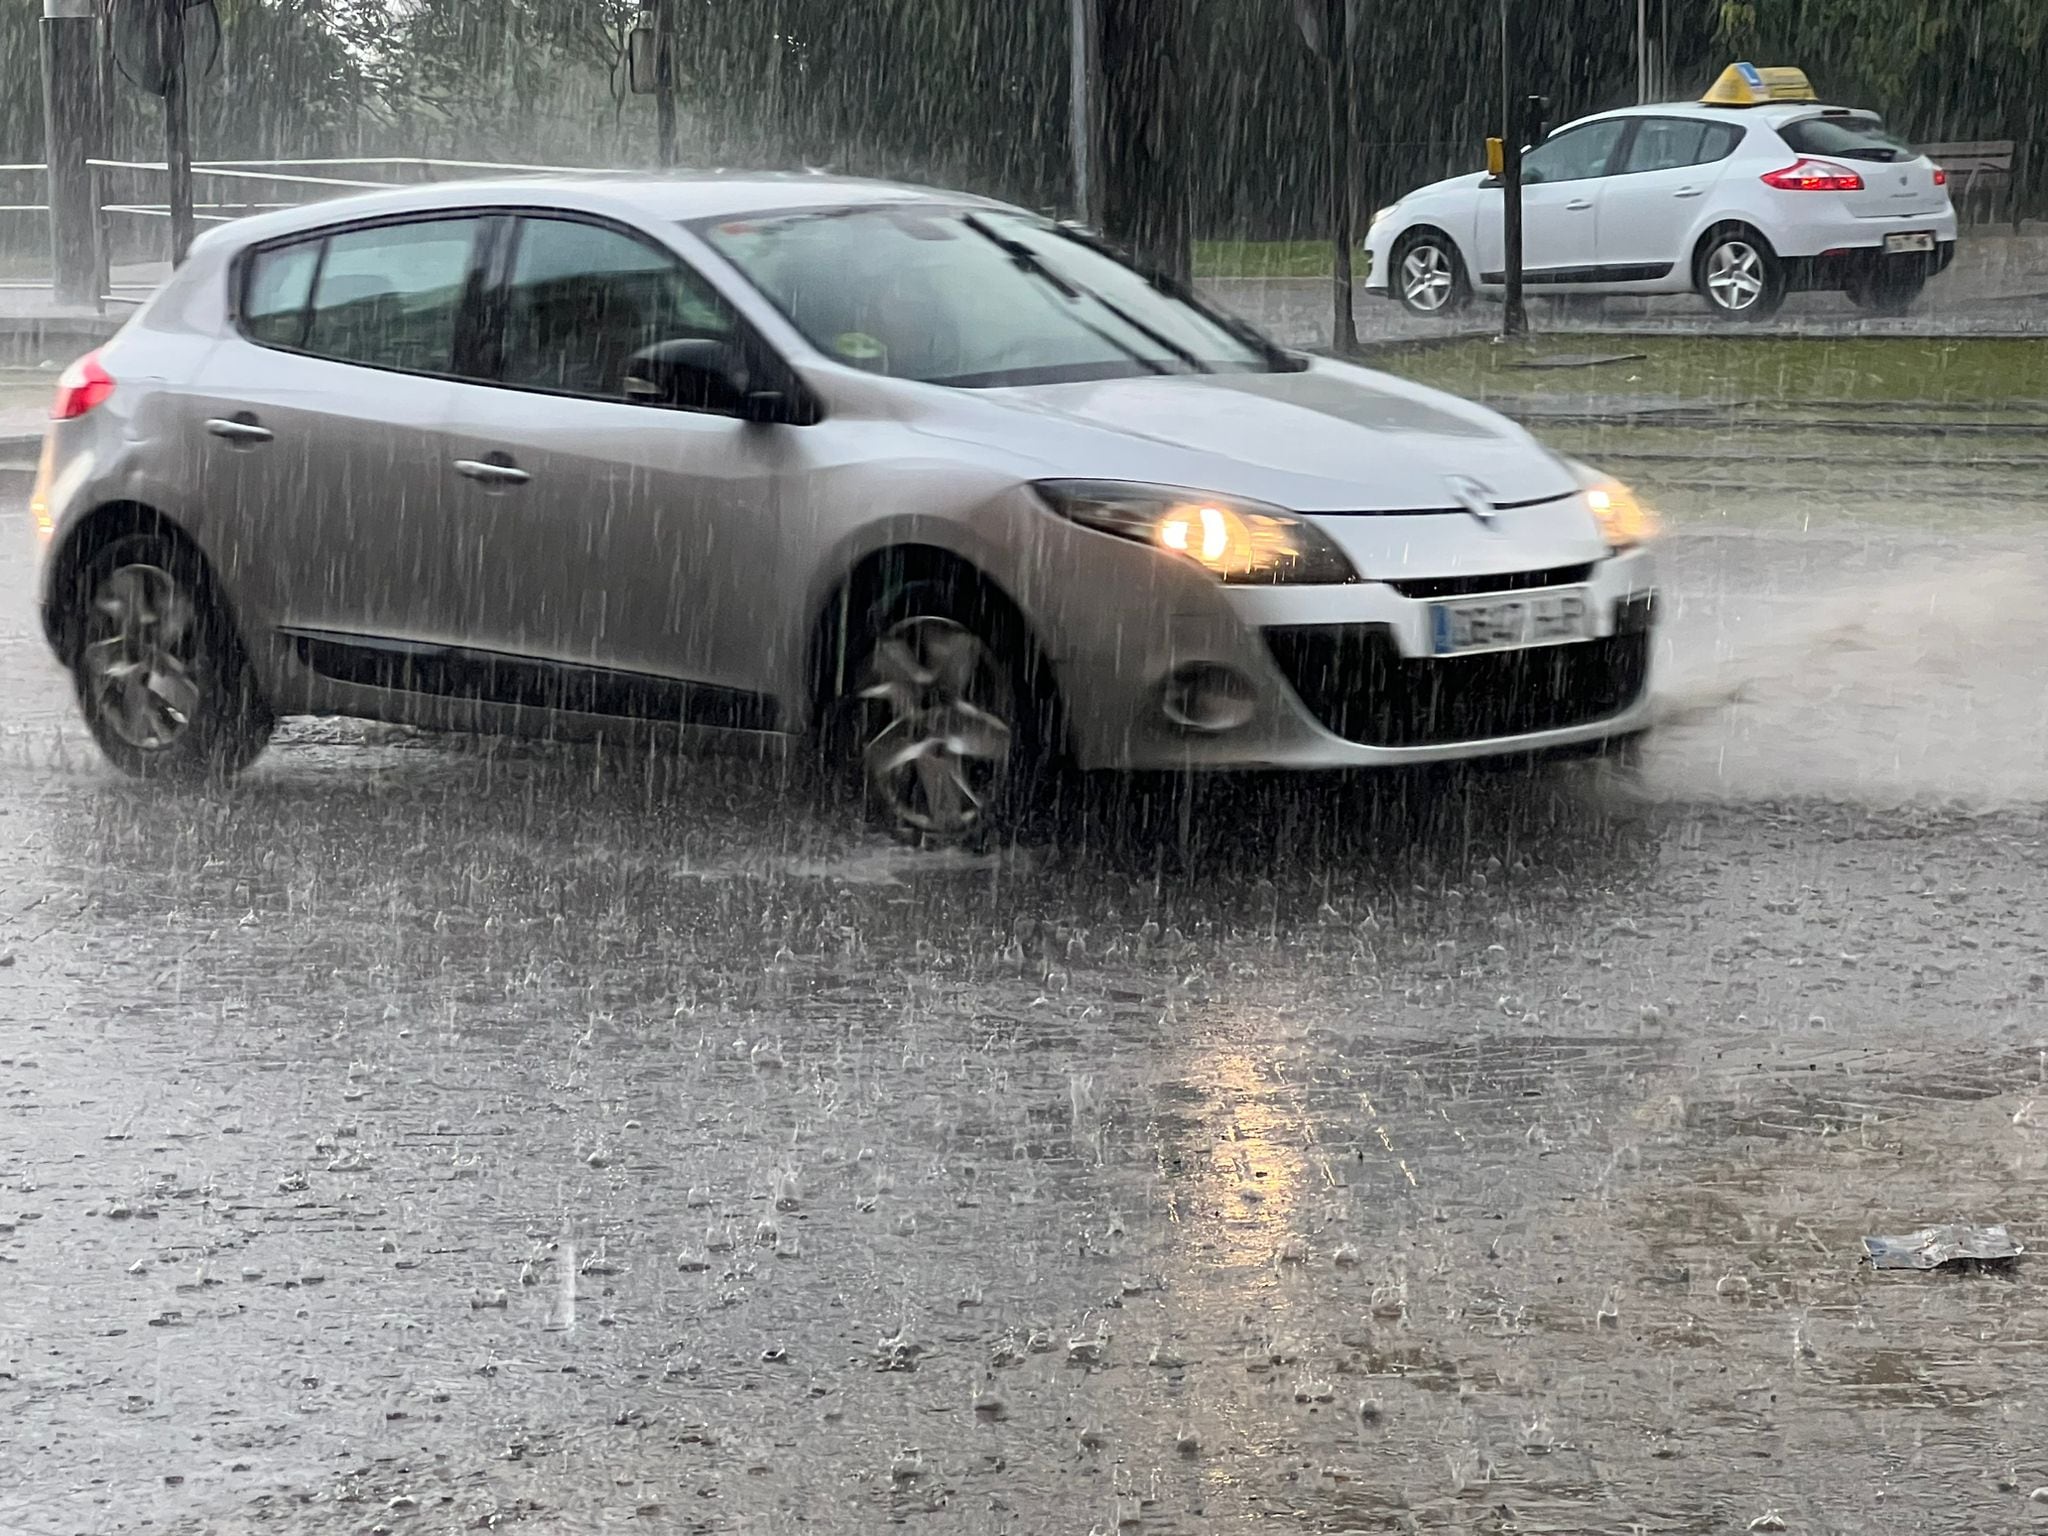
{"x":559,"y":1095}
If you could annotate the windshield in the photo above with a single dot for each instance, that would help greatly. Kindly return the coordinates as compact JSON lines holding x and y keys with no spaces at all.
{"x":974,"y":298}
{"x":1857,"y":136}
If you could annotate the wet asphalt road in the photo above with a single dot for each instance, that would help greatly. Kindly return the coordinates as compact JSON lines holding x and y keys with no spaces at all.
{"x":429,"y":1136}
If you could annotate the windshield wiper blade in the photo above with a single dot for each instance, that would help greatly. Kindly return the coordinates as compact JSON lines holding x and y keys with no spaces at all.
{"x":1030,"y":261}
{"x":1278,"y":358}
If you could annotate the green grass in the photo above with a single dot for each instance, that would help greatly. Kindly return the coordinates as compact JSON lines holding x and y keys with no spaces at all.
{"x":1860,"y":370}
{"x":1263,"y":258}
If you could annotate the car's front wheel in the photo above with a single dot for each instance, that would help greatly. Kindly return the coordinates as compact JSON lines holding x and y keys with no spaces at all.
{"x":1739,"y":275}
{"x":943,"y":723}
{"x":1428,"y":277}
{"x":162,"y":680}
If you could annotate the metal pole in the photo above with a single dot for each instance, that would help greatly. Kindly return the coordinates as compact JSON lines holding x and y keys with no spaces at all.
{"x":1337,"y":36}
{"x":177,"y":130}
{"x":1642,"y":51}
{"x":1514,"y":319}
{"x":664,"y":86}
{"x":71,"y":136}
{"x":1081,"y":104}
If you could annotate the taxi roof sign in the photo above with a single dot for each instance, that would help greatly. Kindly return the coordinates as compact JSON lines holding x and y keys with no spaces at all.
{"x":1744,"y":85}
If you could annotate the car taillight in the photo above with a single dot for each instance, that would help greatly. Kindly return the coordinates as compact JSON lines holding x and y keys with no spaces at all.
{"x":81,"y":387}
{"x":1814,"y":176}
{"x":1940,"y":177}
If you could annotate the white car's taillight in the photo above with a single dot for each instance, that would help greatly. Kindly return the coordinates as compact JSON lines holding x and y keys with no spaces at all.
{"x":1805,"y":175}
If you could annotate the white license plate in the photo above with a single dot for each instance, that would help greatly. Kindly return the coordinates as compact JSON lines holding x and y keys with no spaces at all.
{"x":1917,"y":240}
{"x":1510,"y":623}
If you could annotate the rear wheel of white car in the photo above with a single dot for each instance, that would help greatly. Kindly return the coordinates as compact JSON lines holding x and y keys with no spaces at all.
{"x":1427,"y":276}
{"x":162,"y":680}
{"x":942,"y":723}
{"x":1885,"y":289}
{"x":1739,"y":275}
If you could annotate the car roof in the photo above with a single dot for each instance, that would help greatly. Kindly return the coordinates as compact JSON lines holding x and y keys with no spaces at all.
{"x":676,"y":197}
{"x":1773,"y":114}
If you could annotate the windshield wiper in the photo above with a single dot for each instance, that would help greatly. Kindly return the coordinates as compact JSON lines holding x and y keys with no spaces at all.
{"x":1030,"y":261}
{"x":1278,"y":358}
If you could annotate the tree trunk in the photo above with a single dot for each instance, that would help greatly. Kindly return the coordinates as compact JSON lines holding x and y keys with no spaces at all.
{"x":1145,"y":178}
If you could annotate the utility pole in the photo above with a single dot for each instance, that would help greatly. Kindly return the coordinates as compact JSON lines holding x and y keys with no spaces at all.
{"x":1514,"y":318}
{"x":664,"y":85}
{"x":177,"y":127}
{"x":71,"y":136}
{"x":1337,"y":38}
{"x":1082,"y":91}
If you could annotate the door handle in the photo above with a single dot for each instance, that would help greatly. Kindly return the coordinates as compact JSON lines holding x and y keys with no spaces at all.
{"x":238,"y":429}
{"x":1690,"y":192}
{"x":496,"y":470}
{"x":1578,"y":205}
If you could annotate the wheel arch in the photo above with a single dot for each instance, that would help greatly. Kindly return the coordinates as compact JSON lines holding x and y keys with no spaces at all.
{"x":104,"y":525}
{"x":830,"y":645}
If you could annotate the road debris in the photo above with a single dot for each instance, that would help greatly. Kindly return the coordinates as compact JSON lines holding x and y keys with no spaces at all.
{"x":1932,"y":1247}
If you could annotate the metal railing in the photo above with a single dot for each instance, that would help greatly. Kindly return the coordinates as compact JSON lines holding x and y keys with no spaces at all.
{"x":274,"y":175}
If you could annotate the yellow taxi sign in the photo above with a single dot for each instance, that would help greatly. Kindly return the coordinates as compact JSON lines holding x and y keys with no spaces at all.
{"x":1744,"y":85}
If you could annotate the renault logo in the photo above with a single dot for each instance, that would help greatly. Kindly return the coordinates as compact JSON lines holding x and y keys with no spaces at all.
{"x":1473,"y":497}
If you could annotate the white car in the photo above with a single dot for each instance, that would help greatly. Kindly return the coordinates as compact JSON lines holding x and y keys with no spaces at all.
{"x":1741,"y":205}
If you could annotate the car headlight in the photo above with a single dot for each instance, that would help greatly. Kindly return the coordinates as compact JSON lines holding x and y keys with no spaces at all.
{"x":1380,"y":213}
{"x":1625,"y":519}
{"x":1237,"y":541}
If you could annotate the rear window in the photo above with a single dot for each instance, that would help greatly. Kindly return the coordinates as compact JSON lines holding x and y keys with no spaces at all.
{"x":1851,"y":136}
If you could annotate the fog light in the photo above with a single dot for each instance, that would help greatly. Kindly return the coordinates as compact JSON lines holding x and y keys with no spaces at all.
{"x":1201,"y":696}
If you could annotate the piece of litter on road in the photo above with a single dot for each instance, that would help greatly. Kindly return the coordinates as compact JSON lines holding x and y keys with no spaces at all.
{"x":1578,"y":359}
{"x":1932,"y":1247}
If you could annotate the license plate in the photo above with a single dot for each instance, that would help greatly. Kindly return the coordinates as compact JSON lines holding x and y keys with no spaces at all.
{"x":1918,"y":240}
{"x":1510,"y":623}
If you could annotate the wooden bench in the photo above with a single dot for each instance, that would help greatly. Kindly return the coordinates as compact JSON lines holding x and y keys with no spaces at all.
{"x":1980,"y":174}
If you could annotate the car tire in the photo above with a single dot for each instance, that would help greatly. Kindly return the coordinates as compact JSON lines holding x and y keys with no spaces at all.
{"x":162,"y":679}
{"x":1739,"y":275}
{"x":1885,"y":290}
{"x":1426,"y":274}
{"x":944,"y":726}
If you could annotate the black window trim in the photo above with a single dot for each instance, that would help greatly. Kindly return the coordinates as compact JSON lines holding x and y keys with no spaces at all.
{"x":243,"y":270}
{"x":1627,"y":146}
{"x":480,"y":314}
{"x":805,"y":409}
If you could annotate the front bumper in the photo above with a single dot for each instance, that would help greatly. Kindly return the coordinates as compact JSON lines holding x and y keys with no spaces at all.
{"x":1343,"y":677}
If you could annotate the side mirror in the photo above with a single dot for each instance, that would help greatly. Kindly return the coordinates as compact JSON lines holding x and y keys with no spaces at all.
{"x":702,"y":373}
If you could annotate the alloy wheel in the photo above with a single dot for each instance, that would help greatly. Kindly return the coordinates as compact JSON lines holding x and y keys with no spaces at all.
{"x":143,"y":659}
{"x":940,"y":711}
{"x":1735,"y":275}
{"x":1426,"y":278}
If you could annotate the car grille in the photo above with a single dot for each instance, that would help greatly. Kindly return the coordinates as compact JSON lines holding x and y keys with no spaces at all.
{"x":1504,"y":581}
{"x":1356,"y":682}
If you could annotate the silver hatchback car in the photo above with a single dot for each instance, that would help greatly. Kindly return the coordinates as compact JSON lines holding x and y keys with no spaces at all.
{"x":945,"y":485}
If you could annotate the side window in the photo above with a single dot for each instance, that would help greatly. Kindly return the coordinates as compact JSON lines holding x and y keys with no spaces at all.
{"x":1665,"y":144}
{"x":583,"y":302}
{"x":1575,"y":154}
{"x":388,"y":296}
{"x":275,"y":290}
{"x":1719,"y":142}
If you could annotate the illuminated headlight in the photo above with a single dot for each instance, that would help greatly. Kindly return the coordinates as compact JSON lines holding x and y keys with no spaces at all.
{"x":1625,"y":519}
{"x":1237,"y":541}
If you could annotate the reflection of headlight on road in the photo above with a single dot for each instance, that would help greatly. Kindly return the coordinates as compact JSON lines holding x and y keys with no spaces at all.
{"x":1242,"y":542}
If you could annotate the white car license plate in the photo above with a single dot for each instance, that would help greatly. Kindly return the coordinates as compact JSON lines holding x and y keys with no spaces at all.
{"x":1916,"y":240}
{"x":1510,"y":623}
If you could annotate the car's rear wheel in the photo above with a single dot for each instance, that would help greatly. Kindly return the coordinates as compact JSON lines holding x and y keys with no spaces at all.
{"x":162,"y":679}
{"x":1885,"y":288}
{"x":1428,"y":277}
{"x":1739,"y":275}
{"x":944,"y":726}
